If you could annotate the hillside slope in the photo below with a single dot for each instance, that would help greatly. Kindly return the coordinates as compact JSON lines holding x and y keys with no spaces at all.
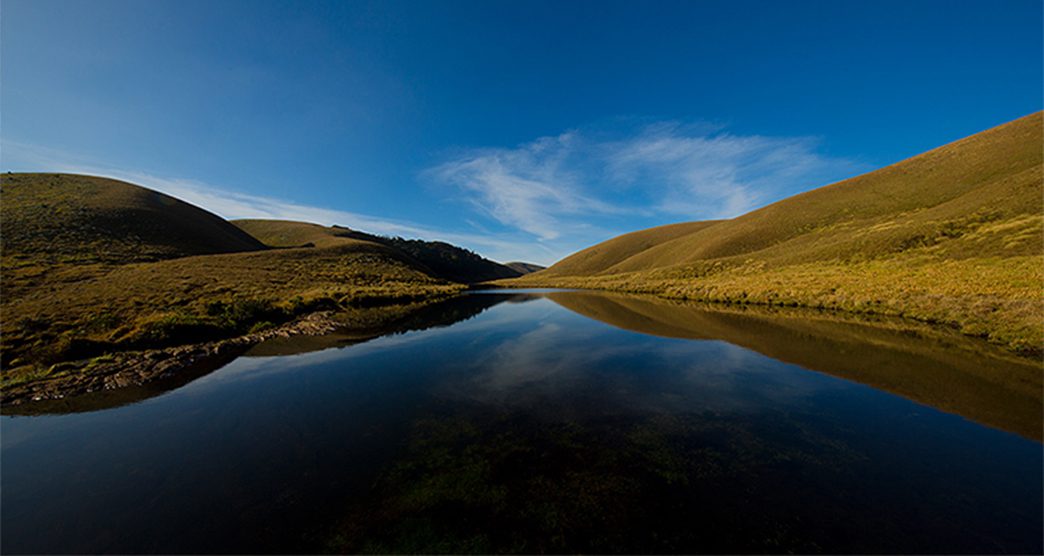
{"x":952,"y":236}
{"x":437,"y":258}
{"x":975,"y":196}
{"x":64,"y":218}
{"x":604,"y":256}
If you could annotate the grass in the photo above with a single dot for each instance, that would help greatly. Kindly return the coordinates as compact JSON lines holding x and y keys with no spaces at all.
{"x":995,"y":298}
{"x":63,"y":219}
{"x":191,"y":299}
{"x":954,"y":236}
{"x":93,"y":266}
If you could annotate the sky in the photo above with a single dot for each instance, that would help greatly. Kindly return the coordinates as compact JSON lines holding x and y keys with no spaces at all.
{"x":522,"y":130}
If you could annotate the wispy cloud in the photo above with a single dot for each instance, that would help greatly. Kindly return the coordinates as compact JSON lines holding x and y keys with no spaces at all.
{"x":664,"y":171}
{"x":531,"y":188}
{"x":719,"y":175}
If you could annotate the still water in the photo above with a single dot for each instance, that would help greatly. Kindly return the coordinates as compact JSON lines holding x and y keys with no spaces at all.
{"x":552,"y":422}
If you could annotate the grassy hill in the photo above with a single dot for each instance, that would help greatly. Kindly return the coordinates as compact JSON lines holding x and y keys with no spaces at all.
{"x":62,"y":218}
{"x":91,"y":266}
{"x":287,"y":233}
{"x":604,"y":257}
{"x":439,"y":259}
{"x":952,"y":236}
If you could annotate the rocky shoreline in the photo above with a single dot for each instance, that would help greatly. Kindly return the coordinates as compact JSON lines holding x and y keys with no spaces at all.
{"x":135,"y":368}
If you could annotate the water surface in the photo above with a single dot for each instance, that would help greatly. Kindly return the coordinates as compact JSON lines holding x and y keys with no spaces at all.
{"x":552,"y":422}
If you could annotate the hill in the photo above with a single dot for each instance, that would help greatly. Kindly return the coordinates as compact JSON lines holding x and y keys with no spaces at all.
{"x":63,"y":218}
{"x":439,"y":259}
{"x":952,"y":236}
{"x":288,"y":233}
{"x":92,"y":266}
{"x":607,"y":255}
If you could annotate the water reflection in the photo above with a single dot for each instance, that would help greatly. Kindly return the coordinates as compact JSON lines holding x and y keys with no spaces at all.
{"x":530,"y":428}
{"x":439,"y":314}
{"x":930,"y":366}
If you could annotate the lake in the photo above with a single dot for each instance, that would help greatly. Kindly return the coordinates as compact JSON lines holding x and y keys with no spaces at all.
{"x":551,"y":421}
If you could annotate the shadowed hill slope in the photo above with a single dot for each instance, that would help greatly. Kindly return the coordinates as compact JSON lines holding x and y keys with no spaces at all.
{"x":63,"y":218}
{"x":437,"y":258}
{"x":952,"y":236}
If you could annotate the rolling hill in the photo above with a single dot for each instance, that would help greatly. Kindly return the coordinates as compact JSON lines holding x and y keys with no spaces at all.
{"x":605,"y":256}
{"x":80,"y":219}
{"x":92,"y":266}
{"x":953,"y":235}
{"x":978,"y":195}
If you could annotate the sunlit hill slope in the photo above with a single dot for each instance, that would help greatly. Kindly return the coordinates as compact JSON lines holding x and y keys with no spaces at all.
{"x":953,"y":236}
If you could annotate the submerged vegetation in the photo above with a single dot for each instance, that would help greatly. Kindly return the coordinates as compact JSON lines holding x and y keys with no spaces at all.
{"x":477,"y":481}
{"x":515,"y":484}
{"x":953,"y":236}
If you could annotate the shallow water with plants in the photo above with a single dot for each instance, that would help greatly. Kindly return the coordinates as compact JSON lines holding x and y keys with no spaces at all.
{"x":551,"y":421}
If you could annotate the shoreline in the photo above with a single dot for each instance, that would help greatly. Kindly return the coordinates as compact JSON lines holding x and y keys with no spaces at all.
{"x":137,"y":368}
{"x":666,"y":292}
{"x":122,"y":370}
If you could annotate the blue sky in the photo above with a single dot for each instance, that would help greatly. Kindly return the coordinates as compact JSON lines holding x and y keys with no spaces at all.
{"x":522,"y":130}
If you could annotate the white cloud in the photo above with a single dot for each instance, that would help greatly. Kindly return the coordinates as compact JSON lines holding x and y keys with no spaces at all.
{"x":665,"y":171}
{"x":721,"y":175}
{"x":530,"y":188}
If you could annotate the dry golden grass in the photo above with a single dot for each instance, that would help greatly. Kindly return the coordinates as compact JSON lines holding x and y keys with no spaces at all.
{"x":196,"y":298}
{"x":998,"y":299}
{"x":287,"y":233}
{"x":71,"y":219}
{"x":606,"y":255}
